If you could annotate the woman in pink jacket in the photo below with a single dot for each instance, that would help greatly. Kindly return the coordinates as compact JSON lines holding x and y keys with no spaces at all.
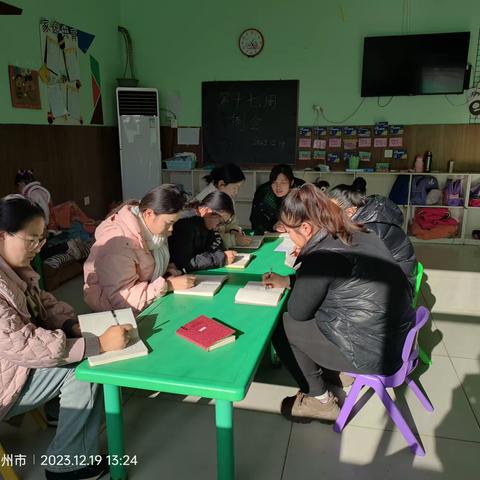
{"x":40,"y":339}
{"x":129,"y":264}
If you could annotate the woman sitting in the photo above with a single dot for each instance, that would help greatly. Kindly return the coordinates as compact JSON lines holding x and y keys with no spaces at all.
{"x":129,"y":264}
{"x":268,"y":199}
{"x":40,"y":342}
{"x":228,"y":179}
{"x":195,"y":243}
{"x":382,"y":216}
{"x":350,"y":306}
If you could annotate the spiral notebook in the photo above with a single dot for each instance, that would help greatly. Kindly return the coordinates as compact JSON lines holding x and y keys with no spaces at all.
{"x":95,"y":324}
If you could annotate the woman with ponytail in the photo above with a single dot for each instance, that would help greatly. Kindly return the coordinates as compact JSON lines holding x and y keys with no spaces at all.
{"x":129,"y":263}
{"x":349,"y":309}
{"x":195,"y":243}
{"x":381,"y":216}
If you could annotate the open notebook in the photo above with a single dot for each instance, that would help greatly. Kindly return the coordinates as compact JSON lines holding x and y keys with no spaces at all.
{"x":286,"y":246}
{"x":255,"y":293}
{"x":256,"y":242}
{"x":95,"y":324}
{"x":241,"y":261}
{"x":205,"y":286}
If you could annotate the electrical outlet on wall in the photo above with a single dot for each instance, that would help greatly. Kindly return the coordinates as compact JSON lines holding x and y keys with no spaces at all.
{"x":86,"y":200}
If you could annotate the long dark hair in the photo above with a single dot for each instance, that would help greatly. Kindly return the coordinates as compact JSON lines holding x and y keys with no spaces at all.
{"x":16,"y":211}
{"x":279,"y":169}
{"x":164,"y":199}
{"x":229,"y":173}
{"x":347,"y":196}
{"x":24,"y":176}
{"x":308,"y":204}
{"x":217,"y":201}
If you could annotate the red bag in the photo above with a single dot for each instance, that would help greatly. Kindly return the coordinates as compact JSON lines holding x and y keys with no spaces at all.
{"x":428,"y":218}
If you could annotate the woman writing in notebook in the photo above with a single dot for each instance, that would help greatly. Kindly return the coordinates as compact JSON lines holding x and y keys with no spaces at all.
{"x":195,"y":243}
{"x":129,"y":264}
{"x":350,"y":306}
{"x":228,"y":179}
{"x":40,"y":341}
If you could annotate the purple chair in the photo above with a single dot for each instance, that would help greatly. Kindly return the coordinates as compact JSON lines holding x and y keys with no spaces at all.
{"x":380,"y":383}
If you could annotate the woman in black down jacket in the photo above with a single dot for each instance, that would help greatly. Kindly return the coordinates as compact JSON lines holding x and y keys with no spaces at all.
{"x":381,"y":216}
{"x":350,"y":306}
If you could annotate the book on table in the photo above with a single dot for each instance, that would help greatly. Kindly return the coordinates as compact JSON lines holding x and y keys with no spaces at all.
{"x":95,"y":324}
{"x":255,"y":293}
{"x":241,"y":261}
{"x":205,"y":286}
{"x":207,"y":333}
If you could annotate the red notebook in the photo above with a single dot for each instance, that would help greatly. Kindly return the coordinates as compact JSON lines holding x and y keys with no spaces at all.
{"x":207,"y":333}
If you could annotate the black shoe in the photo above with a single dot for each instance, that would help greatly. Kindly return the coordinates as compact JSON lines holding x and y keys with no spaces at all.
{"x":91,"y":472}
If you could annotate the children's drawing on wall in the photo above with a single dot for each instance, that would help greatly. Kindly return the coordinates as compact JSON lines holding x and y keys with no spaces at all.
{"x":24,"y":87}
{"x":61,"y":46}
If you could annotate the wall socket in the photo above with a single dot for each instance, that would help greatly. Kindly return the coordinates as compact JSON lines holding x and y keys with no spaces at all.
{"x":86,"y":200}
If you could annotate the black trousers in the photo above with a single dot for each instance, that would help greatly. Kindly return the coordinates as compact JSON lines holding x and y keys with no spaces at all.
{"x":307,"y":353}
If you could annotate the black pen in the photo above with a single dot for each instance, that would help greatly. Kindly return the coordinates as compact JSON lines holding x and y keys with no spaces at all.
{"x":115,"y":317}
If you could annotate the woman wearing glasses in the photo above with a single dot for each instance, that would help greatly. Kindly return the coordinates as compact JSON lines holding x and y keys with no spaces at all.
{"x":269,"y":197}
{"x":129,"y":263}
{"x":195,"y":243}
{"x":39,"y":340}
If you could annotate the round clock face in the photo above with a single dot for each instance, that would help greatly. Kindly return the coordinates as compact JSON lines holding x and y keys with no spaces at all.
{"x":251,"y":42}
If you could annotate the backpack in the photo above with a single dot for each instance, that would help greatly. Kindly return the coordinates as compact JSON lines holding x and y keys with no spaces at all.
{"x":399,"y":191}
{"x":474,"y":200}
{"x":452,"y":193}
{"x":421,"y":185}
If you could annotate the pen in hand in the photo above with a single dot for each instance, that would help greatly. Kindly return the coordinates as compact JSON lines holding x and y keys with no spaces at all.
{"x":115,"y":317}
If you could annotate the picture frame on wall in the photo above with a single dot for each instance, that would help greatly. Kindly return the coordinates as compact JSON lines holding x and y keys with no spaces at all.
{"x":24,"y":88}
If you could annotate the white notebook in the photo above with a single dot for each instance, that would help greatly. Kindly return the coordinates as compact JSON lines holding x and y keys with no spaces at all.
{"x":95,"y":324}
{"x":205,"y":286}
{"x":256,"y":242}
{"x":255,"y":293}
{"x":286,"y":246}
{"x":241,"y":261}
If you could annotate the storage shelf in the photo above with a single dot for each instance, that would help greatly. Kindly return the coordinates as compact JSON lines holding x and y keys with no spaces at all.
{"x":377,"y":183}
{"x":435,"y":206}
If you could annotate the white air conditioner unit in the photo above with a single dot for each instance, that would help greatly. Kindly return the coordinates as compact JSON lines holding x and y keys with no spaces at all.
{"x":139,"y":134}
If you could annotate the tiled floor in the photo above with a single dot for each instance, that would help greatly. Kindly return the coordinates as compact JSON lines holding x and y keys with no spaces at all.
{"x":176,"y":436}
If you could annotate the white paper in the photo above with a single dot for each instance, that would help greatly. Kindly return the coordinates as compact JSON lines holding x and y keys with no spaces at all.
{"x":73,"y":105}
{"x":255,"y":293}
{"x":241,"y":261}
{"x":131,"y":126}
{"x":205,"y":286}
{"x":188,"y":136}
{"x":57,"y":99}
{"x":72,"y":63}
{"x":286,"y":246}
{"x":95,"y":324}
{"x":55,"y":60}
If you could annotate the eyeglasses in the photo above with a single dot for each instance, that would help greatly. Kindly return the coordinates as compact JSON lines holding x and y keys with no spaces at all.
{"x":222,"y":222}
{"x":31,"y":243}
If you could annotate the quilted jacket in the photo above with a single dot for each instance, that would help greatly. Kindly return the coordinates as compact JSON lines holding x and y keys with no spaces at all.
{"x":25,"y":345}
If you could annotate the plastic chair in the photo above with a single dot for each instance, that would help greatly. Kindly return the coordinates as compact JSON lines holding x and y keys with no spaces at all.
{"x":380,"y":383}
{"x":421,"y":353}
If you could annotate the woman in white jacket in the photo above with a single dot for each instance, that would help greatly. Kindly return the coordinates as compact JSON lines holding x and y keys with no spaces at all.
{"x":30,"y":188}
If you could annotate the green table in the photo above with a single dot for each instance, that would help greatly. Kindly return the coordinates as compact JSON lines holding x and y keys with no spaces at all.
{"x":177,"y":366}
{"x":264,"y":258}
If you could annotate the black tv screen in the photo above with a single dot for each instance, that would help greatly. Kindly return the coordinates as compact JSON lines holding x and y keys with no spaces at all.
{"x":414,"y":64}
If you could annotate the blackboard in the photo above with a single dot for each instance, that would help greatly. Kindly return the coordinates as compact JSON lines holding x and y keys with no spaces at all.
{"x":250,"y":122}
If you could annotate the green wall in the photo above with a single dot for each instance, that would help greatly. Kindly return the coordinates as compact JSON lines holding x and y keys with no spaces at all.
{"x":20,"y":46}
{"x":178,"y":44}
